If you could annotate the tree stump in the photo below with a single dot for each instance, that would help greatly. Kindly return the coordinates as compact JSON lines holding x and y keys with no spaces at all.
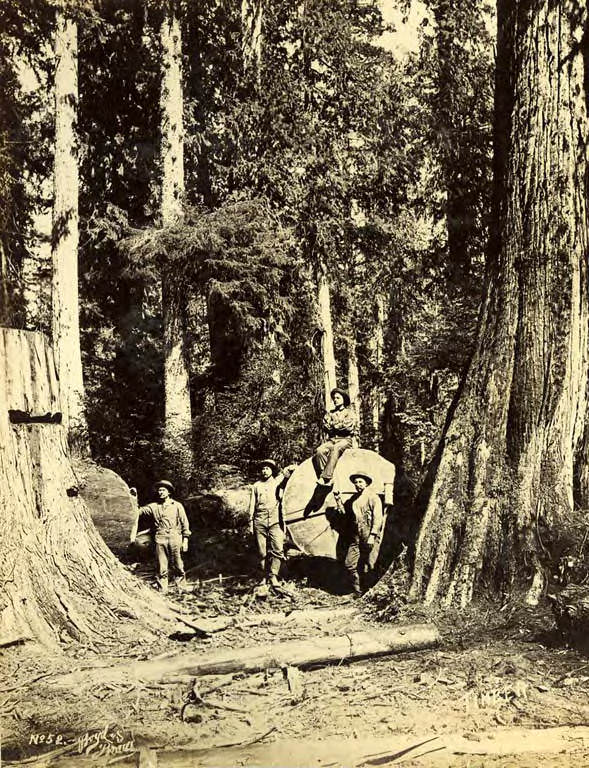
{"x":58,"y":579}
{"x":571,"y":611}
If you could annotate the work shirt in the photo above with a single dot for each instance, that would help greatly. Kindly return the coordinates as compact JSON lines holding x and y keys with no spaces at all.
{"x":169,"y":518}
{"x":341,"y":422}
{"x":366,"y":513}
{"x":266,"y":499}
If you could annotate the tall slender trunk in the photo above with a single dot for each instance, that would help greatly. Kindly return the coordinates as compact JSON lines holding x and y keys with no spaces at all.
{"x":354,"y":379}
{"x":177,"y":411}
{"x":324,"y":303}
{"x":376,"y":350}
{"x":65,"y":323}
{"x":251,"y":38}
{"x":505,"y":472}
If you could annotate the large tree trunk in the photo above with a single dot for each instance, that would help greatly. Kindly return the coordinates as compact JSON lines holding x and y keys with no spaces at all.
{"x":324,"y":303}
{"x":178,"y":417}
{"x":58,"y":579}
{"x":65,"y":323}
{"x":505,"y":466}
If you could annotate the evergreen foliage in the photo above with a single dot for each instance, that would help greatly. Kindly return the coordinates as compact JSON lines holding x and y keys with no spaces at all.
{"x":336,"y":152}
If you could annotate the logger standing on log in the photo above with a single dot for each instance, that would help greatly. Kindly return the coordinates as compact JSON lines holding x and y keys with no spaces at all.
{"x":171,"y":534}
{"x":363,"y":530}
{"x":265,"y":519}
{"x":341,"y":426}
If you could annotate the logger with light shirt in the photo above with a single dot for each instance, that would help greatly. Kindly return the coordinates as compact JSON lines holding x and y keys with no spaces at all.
{"x":265,"y":519}
{"x":171,"y":534}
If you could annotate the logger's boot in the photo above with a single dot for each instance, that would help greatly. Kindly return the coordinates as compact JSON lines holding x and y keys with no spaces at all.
{"x":321,"y":492}
{"x":356,"y":586}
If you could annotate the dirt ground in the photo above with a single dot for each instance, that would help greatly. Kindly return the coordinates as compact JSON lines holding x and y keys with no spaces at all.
{"x":500,"y":690}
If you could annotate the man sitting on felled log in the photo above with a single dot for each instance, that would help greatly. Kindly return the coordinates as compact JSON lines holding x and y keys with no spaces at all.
{"x":171,"y":534}
{"x":266,"y":523}
{"x":341,"y":426}
{"x":363,"y":531}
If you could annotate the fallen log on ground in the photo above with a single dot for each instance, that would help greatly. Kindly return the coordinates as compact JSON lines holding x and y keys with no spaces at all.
{"x":208,"y":626}
{"x":571,"y":611}
{"x":318,"y":650}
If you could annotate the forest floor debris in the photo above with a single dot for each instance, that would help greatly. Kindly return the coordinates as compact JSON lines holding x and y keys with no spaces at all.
{"x":496,"y":675}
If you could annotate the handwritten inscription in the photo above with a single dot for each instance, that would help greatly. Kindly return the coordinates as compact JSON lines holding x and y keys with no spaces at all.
{"x":50,"y":739}
{"x":105,"y":742}
{"x":109,"y":741}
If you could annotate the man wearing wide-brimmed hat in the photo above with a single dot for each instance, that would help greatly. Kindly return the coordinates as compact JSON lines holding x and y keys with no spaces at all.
{"x":340,"y":426}
{"x":171,"y":533}
{"x":365,"y":522}
{"x":265,"y":522}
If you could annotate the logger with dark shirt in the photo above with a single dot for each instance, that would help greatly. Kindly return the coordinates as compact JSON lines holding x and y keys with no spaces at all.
{"x":364,"y":522}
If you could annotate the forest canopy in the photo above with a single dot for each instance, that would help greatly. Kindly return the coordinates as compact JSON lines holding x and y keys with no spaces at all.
{"x":312,"y":149}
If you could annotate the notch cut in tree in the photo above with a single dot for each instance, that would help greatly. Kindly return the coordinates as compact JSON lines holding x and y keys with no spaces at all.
{"x":65,"y":323}
{"x":58,"y":579}
{"x":177,"y":410}
{"x":504,"y":474}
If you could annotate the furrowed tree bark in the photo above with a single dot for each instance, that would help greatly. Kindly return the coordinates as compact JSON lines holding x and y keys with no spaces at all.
{"x":504,"y":475}
{"x":177,"y":410}
{"x":327,"y":348}
{"x":58,"y":579}
{"x":65,"y":323}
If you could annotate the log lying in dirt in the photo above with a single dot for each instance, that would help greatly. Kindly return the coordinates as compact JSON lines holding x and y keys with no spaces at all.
{"x":219,"y":623}
{"x":317,"y":650}
{"x":571,"y":611}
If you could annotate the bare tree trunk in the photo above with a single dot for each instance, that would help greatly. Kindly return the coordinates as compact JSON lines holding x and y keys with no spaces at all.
{"x":65,"y":323}
{"x":251,"y":41}
{"x":505,"y":471}
{"x":37,"y":264}
{"x":354,"y":379}
{"x":178,"y":416}
{"x":376,"y":395}
{"x":329,"y":377}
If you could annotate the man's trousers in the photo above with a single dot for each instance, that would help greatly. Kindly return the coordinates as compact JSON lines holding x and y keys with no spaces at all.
{"x":270,"y":544}
{"x":327,"y":455}
{"x":168,"y":552}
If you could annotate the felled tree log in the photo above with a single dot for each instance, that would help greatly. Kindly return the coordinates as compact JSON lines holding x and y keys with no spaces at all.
{"x":301,"y":653}
{"x":571,"y":611}
{"x":206,"y":626}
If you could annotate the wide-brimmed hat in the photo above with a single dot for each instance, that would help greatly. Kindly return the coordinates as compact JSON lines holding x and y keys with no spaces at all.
{"x":362,"y":475}
{"x":164,"y":484}
{"x":268,"y":463}
{"x":342,"y":392}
